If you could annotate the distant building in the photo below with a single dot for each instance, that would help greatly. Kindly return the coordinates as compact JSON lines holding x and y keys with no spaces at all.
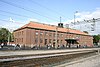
{"x":38,"y":34}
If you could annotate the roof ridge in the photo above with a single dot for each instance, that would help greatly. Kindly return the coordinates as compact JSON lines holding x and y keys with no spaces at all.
{"x":39,"y":25}
{"x":42,"y":23}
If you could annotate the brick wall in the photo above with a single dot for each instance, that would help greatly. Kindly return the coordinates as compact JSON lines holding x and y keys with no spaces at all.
{"x":30,"y":37}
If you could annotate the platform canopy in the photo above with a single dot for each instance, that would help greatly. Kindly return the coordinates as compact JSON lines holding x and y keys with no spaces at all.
{"x":72,"y":41}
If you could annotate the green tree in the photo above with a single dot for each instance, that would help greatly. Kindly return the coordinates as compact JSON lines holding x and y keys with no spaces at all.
{"x":4,"y":34}
{"x":96,"y":39}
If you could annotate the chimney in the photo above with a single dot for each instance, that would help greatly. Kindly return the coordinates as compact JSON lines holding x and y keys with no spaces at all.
{"x":60,"y":25}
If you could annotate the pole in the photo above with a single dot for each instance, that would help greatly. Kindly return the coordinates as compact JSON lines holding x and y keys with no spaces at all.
{"x":93,"y":24}
{"x":68,"y":35}
{"x":74,"y":18}
{"x":60,"y":19}
{"x":56,"y":37}
{"x":8,"y":37}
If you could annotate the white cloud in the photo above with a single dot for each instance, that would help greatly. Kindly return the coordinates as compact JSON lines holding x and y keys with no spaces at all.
{"x":80,"y":16}
{"x":90,"y":15}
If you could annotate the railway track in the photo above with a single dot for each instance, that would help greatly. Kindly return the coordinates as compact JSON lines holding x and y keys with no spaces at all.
{"x":42,"y":59}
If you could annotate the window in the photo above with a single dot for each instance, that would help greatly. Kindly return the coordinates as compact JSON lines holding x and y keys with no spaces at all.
{"x":36,"y":40}
{"x":45,"y":42}
{"x":46,"y":33}
{"x":50,"y":34}
{"x":54,"y":34}
{"x":61,"y":35}
{"x":50,"y":40}
{"x":36,"y":33}
{"x":61,"y":41}
{"x":18,"y":34}
{"x":22,"y":32}
{"x":22,"y":39}
{"x":53,"y":40}
{"x":41,"y":33}
{"x":41,"y":40}
{"x":77,"y":36}
{"x":57,"y":41}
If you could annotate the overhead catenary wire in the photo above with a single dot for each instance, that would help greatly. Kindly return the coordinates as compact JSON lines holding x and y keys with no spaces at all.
{"x":14,"y":14}
{"x":11,"y":27}
{"x":86,"y":21}
{"x":51,"y":10}
{"x":26,"y":9}
{"x":11,"y":21}
{"x":3,"y":15}
{"x":91,"y":23}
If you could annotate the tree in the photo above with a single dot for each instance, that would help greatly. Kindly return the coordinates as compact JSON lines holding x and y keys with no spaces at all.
{"x":96,"y":39}
{"x":4,"y":34}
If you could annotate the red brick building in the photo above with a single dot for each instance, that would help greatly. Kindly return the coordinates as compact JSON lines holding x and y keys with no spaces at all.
{"x":39,"y":34}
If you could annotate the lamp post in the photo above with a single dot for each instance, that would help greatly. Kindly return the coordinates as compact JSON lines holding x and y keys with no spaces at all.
{"x":9,"y":36}
{"x":75,"y":16}
{"x":56,"y":36}
{"x":67,"y":26}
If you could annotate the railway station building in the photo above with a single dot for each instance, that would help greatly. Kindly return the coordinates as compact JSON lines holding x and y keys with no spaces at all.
{"x":39,"y":34}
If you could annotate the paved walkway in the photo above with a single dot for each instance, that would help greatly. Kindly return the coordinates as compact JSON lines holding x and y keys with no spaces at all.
{"x":93,"y":61}
{"x":27,"y":52}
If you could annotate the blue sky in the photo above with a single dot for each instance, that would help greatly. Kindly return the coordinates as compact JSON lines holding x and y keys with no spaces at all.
{"x":46,"y":11}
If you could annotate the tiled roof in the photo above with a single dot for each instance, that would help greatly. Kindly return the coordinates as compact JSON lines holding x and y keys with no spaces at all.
{"x":51,"y":27}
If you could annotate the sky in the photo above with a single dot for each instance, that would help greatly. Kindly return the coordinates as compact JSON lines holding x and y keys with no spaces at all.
{"x":16,"y":13}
